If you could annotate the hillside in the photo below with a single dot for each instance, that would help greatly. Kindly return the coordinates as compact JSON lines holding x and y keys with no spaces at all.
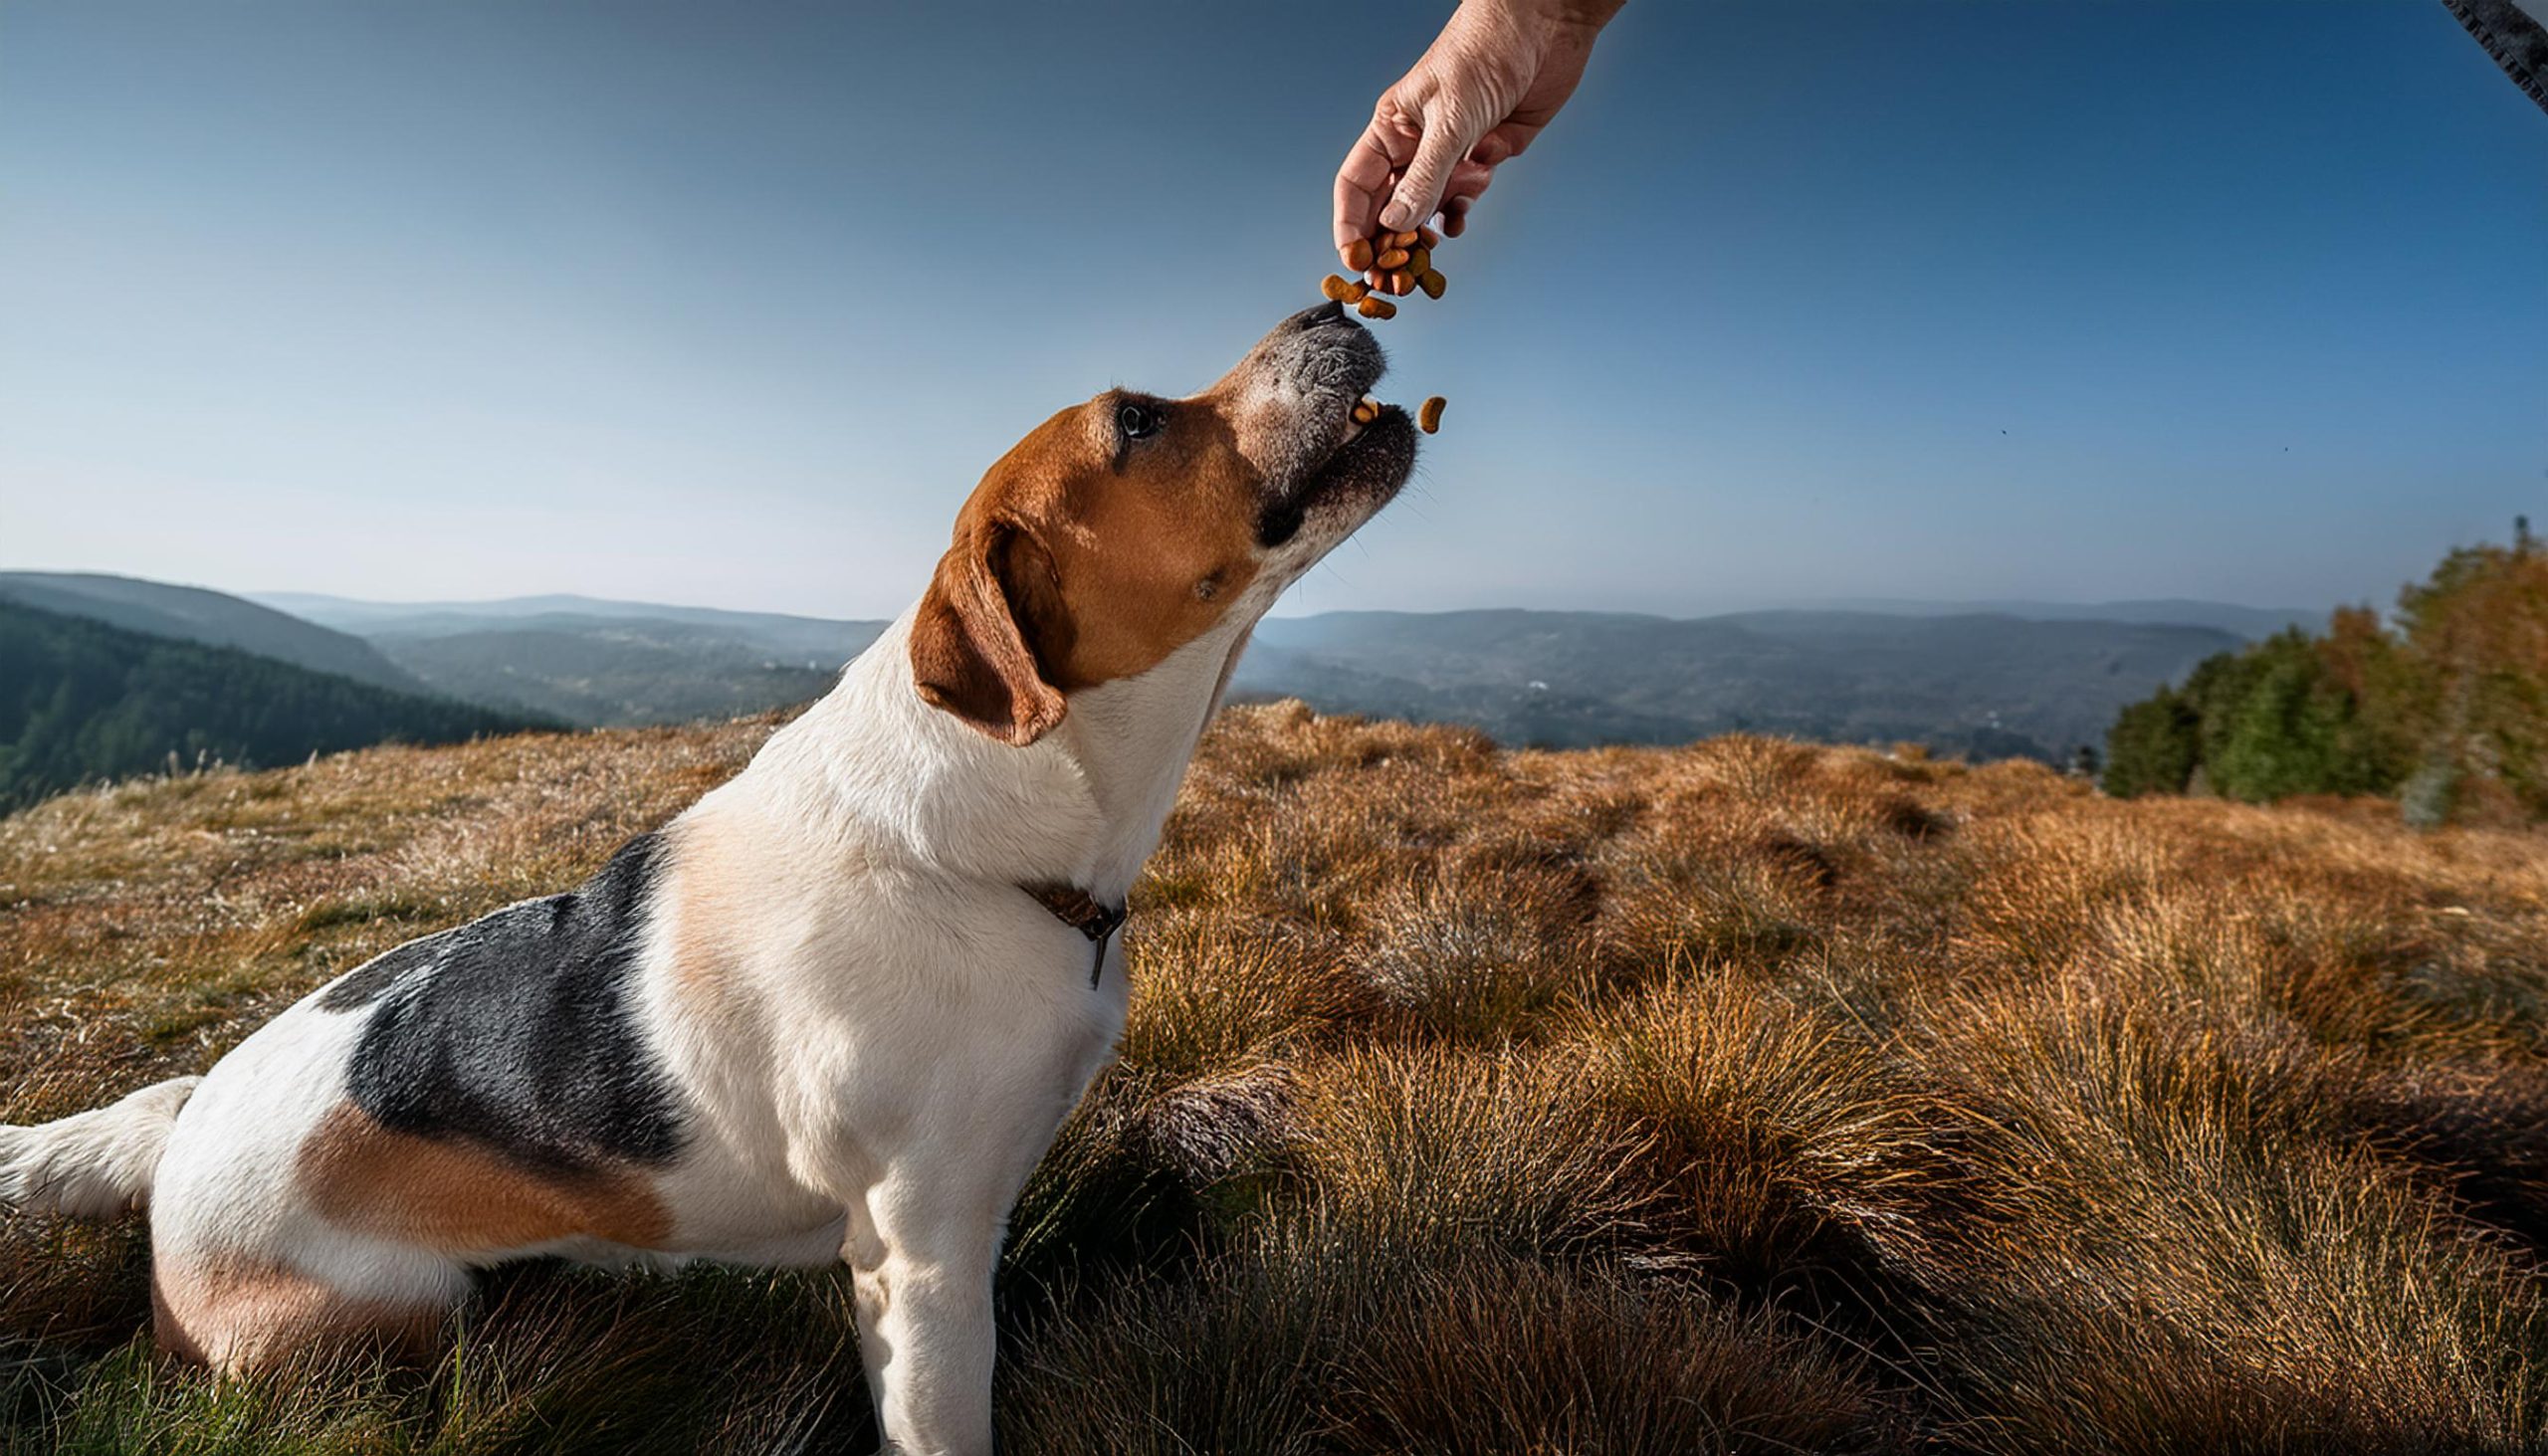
{"x":82,"y":700}
{"x":194,"y":614}
{"x":1746,"y":1097}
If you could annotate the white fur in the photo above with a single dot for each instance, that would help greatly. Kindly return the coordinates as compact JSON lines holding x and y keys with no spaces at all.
{"x":920,"y":1028}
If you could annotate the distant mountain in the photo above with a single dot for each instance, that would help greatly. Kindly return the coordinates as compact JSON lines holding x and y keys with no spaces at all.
{"x":194,"y":614}
{"x":596,"y":662}
{"x":618,"y":670}
{"x":823,"y":640}
{"x":2253,"y":623}
{"x":1985,"y":684}
{"x":81,"y":699}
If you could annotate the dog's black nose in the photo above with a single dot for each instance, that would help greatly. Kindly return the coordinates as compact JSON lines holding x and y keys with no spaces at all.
{"x":1318,"y":317}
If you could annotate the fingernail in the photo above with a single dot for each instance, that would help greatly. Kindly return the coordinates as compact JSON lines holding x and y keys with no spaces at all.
{"x":1395,"y":217}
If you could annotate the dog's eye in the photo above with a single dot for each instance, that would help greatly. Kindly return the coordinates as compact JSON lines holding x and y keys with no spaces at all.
{"x":1137,"y":421}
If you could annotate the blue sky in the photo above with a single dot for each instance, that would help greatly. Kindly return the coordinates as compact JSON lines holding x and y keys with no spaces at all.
{"x":731,"y":304}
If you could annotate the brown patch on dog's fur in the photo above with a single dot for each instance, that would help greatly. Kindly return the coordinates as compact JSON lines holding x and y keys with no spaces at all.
{"x":697,"y":906}
{"x":454,"y":1197}
{"x":1076,"y":563}
{"x":242,"y":1316}
{"x":721,"y":882}
{"x":1133,"y":550}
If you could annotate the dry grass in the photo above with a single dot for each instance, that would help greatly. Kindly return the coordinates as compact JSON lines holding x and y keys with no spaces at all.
{"x":1749,"y":1097}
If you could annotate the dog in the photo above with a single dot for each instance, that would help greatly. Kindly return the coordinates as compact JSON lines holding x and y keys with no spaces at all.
{"x":835,"y":1010}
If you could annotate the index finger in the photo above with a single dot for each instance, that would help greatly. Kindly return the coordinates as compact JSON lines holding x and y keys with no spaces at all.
{"x":1363,"y":183}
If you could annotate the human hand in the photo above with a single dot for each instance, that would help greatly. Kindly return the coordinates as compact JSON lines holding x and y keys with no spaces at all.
{"x":1479,"y":96}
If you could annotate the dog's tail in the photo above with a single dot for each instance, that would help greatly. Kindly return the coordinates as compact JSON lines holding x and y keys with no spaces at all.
{"x":93,"y":1165}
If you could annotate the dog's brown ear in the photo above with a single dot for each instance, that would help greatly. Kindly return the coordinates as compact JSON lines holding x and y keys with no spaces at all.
{"x":994,"y":600}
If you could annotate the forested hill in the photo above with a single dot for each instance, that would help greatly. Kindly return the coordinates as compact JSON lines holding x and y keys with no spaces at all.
{"x":2442,"y":702}
{"x":82,"y":700}
{"x":216,"y":619}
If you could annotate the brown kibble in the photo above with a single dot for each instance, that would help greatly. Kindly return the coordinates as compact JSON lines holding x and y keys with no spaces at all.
{"x":1430,"y":417}
{"x":1394,"y":263}
{"x":1365,"y":412}
{"x":1334,"y":287}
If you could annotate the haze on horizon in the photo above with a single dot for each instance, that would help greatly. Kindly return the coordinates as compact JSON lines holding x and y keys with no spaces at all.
{"x":2228,"y":301}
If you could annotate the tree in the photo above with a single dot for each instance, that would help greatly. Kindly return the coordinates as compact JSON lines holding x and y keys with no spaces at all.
{"x":2153,"y":746}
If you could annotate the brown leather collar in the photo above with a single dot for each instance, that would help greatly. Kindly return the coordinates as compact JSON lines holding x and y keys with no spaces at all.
{"x":1079,"y":909}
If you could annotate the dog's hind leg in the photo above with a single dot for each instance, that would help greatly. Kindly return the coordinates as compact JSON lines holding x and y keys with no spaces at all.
{"x":242,"y":1313}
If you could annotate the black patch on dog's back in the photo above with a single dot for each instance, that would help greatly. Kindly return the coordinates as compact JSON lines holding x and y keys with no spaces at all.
{"x":516,"y":1030}
{"x":366,"y":984}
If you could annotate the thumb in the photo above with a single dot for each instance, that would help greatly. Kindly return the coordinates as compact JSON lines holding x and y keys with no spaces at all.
{"x":1447,"y":137}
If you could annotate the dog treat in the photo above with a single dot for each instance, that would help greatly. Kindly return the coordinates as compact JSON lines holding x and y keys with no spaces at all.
{"x":1395,"y":262}
{"x":1430,"y":417}
{"x":1367,"y":411}
{"x":1376,"y":306}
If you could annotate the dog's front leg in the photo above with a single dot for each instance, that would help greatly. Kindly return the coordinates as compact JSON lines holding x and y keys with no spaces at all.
{"x":923,"y":1267}
{"x":864,"y":1253}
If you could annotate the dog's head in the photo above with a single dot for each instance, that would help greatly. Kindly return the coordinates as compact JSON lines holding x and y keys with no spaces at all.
{"x":1125,"y":528}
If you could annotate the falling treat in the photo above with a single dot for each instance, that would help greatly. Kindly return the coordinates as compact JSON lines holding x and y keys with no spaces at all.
{"x":1432,"y":283}
{"x":1376,"y":306}
{"x":1430,"y":417}
{"x":1335,"y":287}
{"x":1357,"y":255}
